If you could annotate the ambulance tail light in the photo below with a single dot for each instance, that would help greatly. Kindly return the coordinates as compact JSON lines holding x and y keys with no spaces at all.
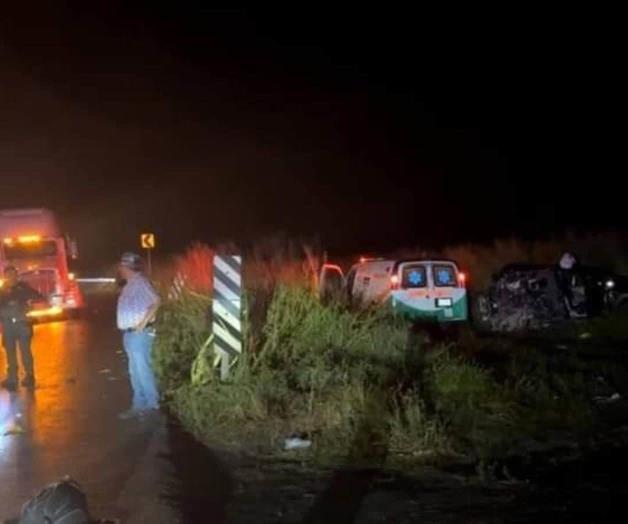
{"x":462,"y":279}
{"x":394,"y":282}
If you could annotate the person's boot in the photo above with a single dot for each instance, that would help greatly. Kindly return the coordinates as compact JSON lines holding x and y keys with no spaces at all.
{"x":9,"y":384}
{"x":29,"y":382}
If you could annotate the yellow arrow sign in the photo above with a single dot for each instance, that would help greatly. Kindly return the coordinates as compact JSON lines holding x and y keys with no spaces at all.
{"x":147,"y":240}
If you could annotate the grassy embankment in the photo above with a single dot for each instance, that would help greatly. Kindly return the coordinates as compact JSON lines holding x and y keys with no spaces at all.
{"x":359,"y":384}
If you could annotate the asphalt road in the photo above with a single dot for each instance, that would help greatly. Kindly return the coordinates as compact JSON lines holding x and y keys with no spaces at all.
{"x":69,"y":426}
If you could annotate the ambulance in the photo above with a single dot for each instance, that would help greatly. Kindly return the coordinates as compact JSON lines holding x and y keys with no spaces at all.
{"x":418,"y":289}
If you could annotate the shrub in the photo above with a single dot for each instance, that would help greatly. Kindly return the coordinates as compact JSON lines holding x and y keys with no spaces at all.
{"x":476,"y":410}
{"x":183,"y":328}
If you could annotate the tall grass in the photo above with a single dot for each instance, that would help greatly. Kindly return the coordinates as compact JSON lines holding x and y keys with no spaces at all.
{"x":318,"y":370}
{"x":346,"y":380}
{"x":183,"y":328}
{"x":478,"y":413}
{"x":355,"y":382}
{"x":196,"y":264}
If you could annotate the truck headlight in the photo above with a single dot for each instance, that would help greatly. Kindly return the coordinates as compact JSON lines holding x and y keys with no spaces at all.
{"x":56,"y":300}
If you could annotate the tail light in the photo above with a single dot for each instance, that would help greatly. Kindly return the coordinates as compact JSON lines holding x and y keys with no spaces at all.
{"x":462,"y":279}
{"x":394,"y":282}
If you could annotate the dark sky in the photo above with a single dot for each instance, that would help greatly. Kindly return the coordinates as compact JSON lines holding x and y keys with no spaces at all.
{"x":369,"y":129}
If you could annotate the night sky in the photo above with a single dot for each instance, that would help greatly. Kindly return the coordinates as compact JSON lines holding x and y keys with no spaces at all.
{"x":368,"y":129}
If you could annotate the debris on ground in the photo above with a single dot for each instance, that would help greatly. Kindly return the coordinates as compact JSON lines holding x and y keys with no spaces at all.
{"x":63,"y":501}
{"x":104,"y":371}
{"x":297,"y":442}
{"x":607,"y":400}
{"x":14,"y":429}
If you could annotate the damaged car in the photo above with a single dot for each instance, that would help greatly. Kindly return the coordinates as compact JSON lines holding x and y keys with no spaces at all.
{"x":528,"y":297}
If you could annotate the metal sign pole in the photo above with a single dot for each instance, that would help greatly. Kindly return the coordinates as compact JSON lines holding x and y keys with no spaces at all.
{"x":227,"y":310}
{"x":149,"y":263}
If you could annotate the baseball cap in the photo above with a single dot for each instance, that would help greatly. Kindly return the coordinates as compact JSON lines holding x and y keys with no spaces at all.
{"x":131,"y":260}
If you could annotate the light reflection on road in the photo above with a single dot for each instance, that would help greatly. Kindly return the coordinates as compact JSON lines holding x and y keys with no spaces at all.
{"x":68,"y":425}
{"x":10,"y":418}
{"x":58,"y":349}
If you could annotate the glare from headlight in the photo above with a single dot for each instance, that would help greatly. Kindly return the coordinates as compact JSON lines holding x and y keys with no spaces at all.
{"x":56,"y":300}
{"x":610,"y":284}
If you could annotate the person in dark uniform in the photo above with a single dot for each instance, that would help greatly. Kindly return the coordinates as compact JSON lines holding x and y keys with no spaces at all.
{"x":566,"y":266}
{"x":15,"y":301}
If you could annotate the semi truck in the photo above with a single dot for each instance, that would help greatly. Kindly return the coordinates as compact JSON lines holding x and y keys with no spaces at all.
{"x":32,"y":242}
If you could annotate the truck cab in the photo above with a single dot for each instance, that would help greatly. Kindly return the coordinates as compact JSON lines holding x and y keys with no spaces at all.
{"x":30,"y":240}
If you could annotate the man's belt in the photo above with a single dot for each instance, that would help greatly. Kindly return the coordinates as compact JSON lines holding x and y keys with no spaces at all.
{"x":134,"y":330}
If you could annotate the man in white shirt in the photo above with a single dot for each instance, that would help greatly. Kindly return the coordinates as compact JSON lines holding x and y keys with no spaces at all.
{"x":137,"y":306}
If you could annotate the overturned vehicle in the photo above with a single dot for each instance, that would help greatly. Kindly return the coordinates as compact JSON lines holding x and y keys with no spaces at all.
{"x":528,"y":297}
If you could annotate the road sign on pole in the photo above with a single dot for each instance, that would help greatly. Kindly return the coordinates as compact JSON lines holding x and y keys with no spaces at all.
{"x":227,"y":310}
{"x":147,"y":241}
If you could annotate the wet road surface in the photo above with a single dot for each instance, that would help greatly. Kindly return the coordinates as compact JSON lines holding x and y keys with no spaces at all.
{"x":151,"y":471}
{"x":69,"y":424}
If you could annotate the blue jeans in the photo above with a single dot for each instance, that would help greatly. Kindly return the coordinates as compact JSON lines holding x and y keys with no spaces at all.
{"x":138,"y":346}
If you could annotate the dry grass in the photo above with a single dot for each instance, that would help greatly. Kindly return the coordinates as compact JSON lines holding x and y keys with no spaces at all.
{"x":196,"y":264}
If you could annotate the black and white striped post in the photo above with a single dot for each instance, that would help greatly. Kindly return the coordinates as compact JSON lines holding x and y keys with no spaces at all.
{"x":227,"y":310}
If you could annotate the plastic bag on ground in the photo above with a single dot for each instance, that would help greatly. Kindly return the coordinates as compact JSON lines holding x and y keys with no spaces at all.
{"x":61,"y":503}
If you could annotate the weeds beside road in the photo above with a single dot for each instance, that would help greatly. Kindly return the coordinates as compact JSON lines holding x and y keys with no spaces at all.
{"x":365,"y":392}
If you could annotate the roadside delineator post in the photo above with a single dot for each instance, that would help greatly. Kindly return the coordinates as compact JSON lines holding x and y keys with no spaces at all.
{"x":227,"y":310}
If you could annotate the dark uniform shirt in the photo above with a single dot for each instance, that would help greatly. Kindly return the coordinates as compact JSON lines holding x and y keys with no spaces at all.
{"x":14,"y":302}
